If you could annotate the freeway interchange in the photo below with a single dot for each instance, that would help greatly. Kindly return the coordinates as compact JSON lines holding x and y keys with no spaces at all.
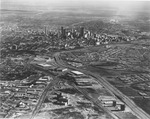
{"x":138,"y":111}
{"x":113,"y":90}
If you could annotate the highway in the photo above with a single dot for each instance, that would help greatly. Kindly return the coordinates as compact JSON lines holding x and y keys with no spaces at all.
{"x":53,"y":83}
{"x":135,"y":109}
{"x":94,"y":101}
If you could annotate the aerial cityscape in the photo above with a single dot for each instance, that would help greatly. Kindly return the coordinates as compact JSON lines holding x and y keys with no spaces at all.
{"x":74,"y":59}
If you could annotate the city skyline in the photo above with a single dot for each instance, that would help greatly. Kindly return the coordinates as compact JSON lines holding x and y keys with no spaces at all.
{"x":75,"y":59}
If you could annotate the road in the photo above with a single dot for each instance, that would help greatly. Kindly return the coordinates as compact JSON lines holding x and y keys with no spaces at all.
{"x":49,"y":87}
{"x":135,"y":109}
{"x":94,"y":101}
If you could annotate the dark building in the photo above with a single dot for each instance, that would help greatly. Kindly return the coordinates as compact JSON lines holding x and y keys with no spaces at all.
{"x":94,"y":35}
{"x":114,"y":103}
{"x":14,"y":47}
{"x":62,"y":29}
{"x":122,"y":107}
{"x":63,"y":32}
{"x":81,"y":31}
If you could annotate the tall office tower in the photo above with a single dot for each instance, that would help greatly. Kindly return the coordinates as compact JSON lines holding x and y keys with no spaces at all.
{"x":63,"y":32}
{"x":81,"y":31}
{"x":45,"y":31}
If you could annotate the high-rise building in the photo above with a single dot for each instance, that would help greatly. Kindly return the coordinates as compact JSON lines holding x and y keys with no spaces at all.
{"x":63,"y":32}
{"x":62,"y":29}
{"x":45,"y":31}
{"x":81,"y":31}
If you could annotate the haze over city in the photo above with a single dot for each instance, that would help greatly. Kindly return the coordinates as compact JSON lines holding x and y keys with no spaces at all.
{"x":84,"y":4}
{"x":74,"y":59}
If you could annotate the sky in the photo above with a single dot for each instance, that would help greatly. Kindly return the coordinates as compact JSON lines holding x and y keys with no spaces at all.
{"x":122,"y":5}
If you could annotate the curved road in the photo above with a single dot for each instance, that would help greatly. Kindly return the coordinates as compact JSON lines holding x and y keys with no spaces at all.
{"x":53,"y":83}
{"x":137,"y":111}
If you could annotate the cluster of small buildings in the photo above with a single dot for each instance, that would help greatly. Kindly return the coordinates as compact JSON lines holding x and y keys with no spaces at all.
{"x":79,"y":60}
{"x":110,"y":102}
{"x":20,"y":97}
{"x":134,"y":78}
{"x":140,"y":82}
